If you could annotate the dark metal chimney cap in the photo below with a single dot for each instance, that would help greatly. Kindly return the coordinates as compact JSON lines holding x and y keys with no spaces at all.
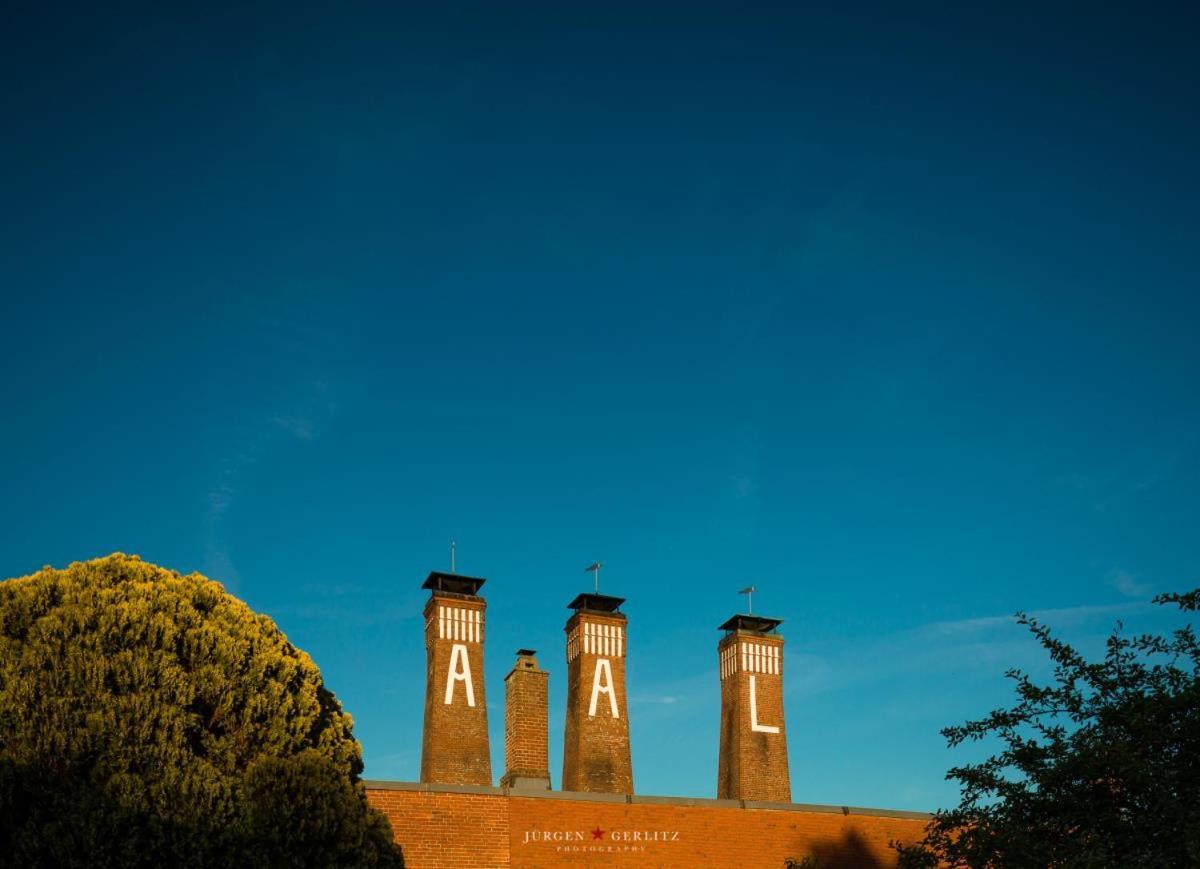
{"x":455,"y":583}
{"x":745,"y":622}
{"x":602,"y":603}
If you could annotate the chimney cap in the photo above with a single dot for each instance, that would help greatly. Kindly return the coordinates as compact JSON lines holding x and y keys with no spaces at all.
{"x":746,"y":622}
{"x":526,"y":653}
{"x":454,"y":583}
{"x":596,"y":603}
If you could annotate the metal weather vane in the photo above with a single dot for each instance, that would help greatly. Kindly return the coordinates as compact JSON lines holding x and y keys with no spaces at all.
{"x":748,"y":591}
{"x":594,"y":569}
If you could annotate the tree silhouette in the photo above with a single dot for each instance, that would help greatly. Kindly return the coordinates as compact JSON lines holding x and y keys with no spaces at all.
{"x":1099,"y":768}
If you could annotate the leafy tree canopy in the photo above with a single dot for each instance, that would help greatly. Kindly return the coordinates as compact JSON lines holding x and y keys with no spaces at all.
{"x":1099,"y":768}
{"x":149,"y":718}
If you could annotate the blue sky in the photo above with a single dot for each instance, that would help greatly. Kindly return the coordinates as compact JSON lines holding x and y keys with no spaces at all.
{"x":892,"y":314}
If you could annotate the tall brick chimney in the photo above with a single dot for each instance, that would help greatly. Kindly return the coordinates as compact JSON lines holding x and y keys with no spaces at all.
{"x":454,"y":749}
{"x":526,"y":724}
{"x":753,"y":763}
{"x":596,"y":754}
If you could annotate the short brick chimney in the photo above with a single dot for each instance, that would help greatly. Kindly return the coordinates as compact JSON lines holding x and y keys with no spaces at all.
{"x":454,"y":749}
{"x":754,"y":762}
{"x":526,"y":724}
{"x":596,"y":752}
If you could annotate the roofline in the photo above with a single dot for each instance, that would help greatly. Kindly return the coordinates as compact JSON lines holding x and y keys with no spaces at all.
{"x":639,"y":799}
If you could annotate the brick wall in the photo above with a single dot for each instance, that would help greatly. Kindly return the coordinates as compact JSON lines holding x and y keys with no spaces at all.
{"x":446,"y":829}
{"x":489,"y":827}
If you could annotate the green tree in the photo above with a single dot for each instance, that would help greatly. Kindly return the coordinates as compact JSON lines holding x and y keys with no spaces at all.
{"x":153,"y":719}
{"x":1099,"y":768}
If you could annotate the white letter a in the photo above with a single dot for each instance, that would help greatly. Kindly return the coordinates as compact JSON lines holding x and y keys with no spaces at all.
{"x":606,"y":688}
{"x":454,"y":674}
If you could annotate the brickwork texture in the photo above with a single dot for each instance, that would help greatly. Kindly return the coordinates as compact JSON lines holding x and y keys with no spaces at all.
{"x":596,"y":756}
{"x":753,"y":759}
{"x":454,"y":746}
{"x":500,"y":829}
{"x":526,"y":721}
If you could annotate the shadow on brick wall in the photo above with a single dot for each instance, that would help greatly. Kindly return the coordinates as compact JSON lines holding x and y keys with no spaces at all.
{"x":849,"y":852}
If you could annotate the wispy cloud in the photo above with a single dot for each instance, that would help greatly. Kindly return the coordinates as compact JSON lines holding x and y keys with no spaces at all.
{"x":300,"y":427}
{"x":1060,"y":616}
{"x":1128,"y":585}
{"x":1122,"y":485}
{"x":979,"y":645}
{"x":654,"y":699}
{"x":301,"y":419}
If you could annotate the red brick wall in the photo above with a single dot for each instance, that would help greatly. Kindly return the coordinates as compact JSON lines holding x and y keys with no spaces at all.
{"x":499,"y":829}
{"x":449,"y":830}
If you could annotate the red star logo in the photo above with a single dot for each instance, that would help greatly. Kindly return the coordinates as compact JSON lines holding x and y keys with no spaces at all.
{"x":597,"y":833}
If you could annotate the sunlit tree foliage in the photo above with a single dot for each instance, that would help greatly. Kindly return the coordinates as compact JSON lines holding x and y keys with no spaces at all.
{"x":152,"y":719}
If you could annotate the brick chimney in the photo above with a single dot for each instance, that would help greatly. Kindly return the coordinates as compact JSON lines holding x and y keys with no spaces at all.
{"x":596,"y":752}
{"x":526,"y":745}
{"x":454,"y":749}
{"x":753,"y":763}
